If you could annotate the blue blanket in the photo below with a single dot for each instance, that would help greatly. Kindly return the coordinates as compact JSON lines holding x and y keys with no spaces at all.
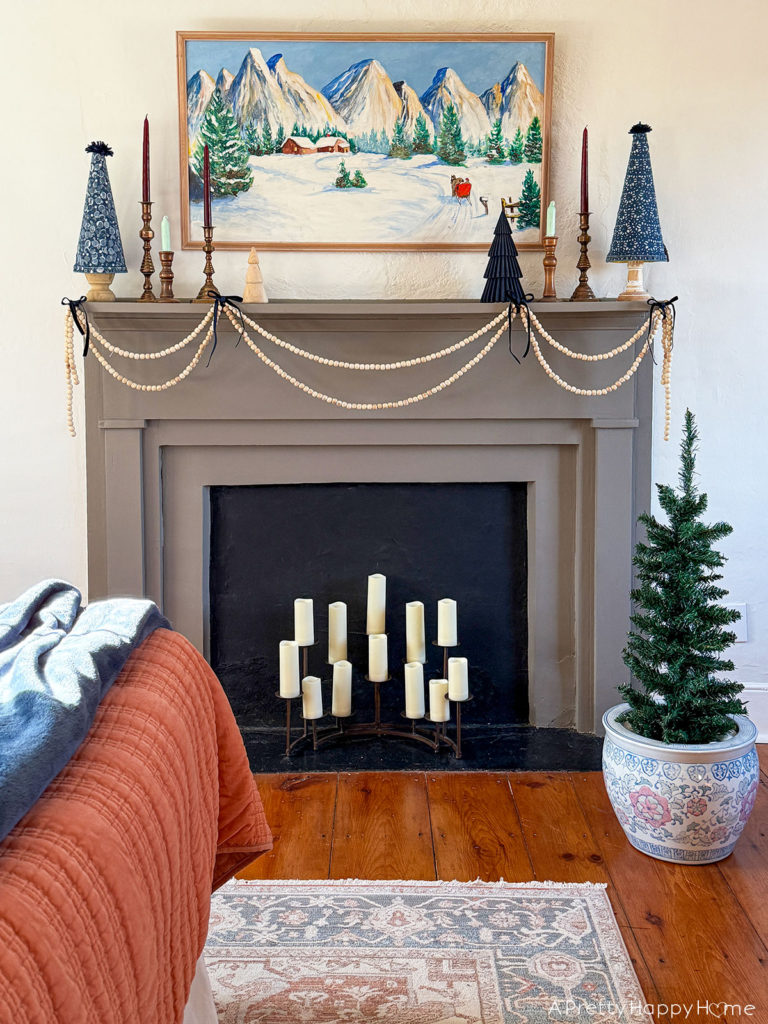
{"x":57,"y":660}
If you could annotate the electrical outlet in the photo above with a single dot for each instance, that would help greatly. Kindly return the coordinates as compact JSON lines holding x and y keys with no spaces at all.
{"x":740,"y":627}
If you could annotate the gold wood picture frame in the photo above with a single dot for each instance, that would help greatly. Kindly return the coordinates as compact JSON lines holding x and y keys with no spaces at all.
{"x":335,"y":142}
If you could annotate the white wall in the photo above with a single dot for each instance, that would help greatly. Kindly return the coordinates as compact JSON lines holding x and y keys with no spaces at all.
{"x":694,"y":71}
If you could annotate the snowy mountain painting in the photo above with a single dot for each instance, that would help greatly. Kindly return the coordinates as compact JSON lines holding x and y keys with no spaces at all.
{"x":365,"y":143}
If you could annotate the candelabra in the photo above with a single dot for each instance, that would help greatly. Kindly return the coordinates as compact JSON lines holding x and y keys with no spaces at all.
{"x":147,"y":266}
{"x":166,"y":278}
{"x":583,"y":291}
{"x":434,"y":735}
{"x":550,"y":263}
{"x":204,"y":295}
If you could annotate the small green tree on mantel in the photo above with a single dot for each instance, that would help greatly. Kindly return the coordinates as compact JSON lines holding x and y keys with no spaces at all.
{"x":679,"y":628}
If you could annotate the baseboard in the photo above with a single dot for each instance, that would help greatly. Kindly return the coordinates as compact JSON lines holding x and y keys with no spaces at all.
{"x":756,"y":696}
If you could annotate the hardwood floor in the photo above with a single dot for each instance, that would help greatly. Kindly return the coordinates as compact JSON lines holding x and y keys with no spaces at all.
{"x":694,"y":933}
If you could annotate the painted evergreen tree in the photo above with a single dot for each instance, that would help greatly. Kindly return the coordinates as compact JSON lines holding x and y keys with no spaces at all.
{"x":533,"y":142}
{"x":679,"y":629}
{"x":495,"y":146}
{"x":530,"y":203}
{"x":267,"y":142}
{"x":252,"y":139}
{"x":400,"y":146}
{"x":517,"y":149}
{"x":503,"y":274}
{"x":228,"y":153}
{"x":344,"y":179}
{"x":450,"y":144}
{"x":358,"y":181}
{"x":279,"y":139}
{"x":422,"y":140}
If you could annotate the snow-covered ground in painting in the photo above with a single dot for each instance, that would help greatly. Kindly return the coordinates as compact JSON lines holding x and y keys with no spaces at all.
{"x":294,"y":199}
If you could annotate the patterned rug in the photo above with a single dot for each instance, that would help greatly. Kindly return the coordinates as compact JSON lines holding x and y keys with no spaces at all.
{"x":418,"y":953}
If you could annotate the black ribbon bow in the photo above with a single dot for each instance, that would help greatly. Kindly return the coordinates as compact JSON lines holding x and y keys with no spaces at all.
{"x":74,"y":305}
{"x":518,"y":306}
{"x":219,"y":302}
{"x":663,"y":307}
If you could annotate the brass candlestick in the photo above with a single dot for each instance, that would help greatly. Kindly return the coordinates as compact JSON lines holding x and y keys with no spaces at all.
{"x":208,"y":285}
{"x":550,"y":262}
{"x":166,"y":278}
{"x":583,"y":292}
{"x":147,"y":266}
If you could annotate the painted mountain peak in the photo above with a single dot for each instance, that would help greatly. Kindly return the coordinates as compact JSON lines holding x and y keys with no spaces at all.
{"x":365,"y":98}
{"x":447,"y":89}
{"x":516,"y":100}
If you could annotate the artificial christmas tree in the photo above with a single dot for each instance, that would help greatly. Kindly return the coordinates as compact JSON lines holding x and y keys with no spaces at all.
{"x":99,"y":249}
{"x":680,"y":629}
{"x":503,"y":273}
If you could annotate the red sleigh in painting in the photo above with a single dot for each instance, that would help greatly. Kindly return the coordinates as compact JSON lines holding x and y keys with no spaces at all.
{"x":460,"y":188}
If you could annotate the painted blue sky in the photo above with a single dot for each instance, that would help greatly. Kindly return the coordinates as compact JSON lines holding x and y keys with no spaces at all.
{"x":479,"y":65}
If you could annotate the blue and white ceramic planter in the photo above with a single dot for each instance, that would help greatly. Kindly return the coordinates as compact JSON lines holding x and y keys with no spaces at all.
{"x":685,"y":803}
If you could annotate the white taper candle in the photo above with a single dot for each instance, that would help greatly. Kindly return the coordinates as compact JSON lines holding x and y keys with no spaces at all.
{"x":414,"y":689}
{"x":303,"y":621}
{"x":312,"y":697}
{"x":341,"y":704}
{"x":446,"y":622}
{"x":458,"y":678}
{"x":378,"y":668}
{"x":376,"y":619}
{"x":414,"y":632}
{"x":439,"y":708}
{"x":337,"y":632}
{"x":289,"y":669}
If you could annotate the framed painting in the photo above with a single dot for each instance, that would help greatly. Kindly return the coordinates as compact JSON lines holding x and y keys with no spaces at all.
{"x":364,"y":142}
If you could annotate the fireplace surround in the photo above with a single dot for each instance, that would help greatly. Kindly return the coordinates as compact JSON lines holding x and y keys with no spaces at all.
{"x":152,"y":459}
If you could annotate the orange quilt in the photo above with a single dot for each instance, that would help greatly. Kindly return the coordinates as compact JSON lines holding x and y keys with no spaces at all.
{"x":105,"y":884}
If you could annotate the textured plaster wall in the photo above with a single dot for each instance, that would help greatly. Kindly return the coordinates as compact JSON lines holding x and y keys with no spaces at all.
{"x":90,"y":69}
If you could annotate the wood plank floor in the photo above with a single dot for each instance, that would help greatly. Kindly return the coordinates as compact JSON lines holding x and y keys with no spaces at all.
{"x":694,"y":933}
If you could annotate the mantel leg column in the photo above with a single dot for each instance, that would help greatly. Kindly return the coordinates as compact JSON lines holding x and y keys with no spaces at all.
{"x":124,"y":507}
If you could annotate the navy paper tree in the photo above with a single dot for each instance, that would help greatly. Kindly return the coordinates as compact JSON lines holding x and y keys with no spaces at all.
{"x":99,"y":250}
{"x":637,"y":235}
{"x":503,"y":274}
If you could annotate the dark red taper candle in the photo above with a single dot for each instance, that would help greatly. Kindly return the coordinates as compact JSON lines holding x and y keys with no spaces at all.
{"x":206,"y":189}
{"x":584,"y":173}
{"x":145,"y":164}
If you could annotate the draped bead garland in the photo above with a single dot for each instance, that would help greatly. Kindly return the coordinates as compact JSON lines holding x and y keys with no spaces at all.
{"x":658,"y":318}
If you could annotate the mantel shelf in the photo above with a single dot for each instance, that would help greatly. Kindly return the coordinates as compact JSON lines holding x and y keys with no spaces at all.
{"x":125,"y":308}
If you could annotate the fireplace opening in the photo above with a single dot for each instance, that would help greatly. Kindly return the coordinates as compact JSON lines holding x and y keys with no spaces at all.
{"x":272,"y":543}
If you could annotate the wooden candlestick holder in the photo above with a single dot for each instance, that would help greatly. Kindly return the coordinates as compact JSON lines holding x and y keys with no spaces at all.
{"x":147,"y":266}
{"x":550,"y":263}
{"x":583,"y":291}
{"x":166,"y":278}
{"x":208,"y":285}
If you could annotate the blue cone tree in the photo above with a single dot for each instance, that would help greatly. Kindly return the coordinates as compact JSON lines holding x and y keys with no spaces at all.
{"x":100,"y":249}
{"x":637,"y":234}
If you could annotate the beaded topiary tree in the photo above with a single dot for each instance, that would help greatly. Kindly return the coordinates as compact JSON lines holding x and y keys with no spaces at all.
{"x":680,"y":629}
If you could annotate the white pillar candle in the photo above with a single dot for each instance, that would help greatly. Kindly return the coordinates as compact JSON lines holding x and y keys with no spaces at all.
{"x":376,"y":621}
{"x":289,"y":669}
{"x":439,"y":708}
{"x":458,"y":678}
{"x":414,"y":690}
{"x":303,"y":622}
{"x":414,"y":632}
{"x":446,"y":622}
{"x":312,"y":697}
{"x":337,"y":632}
{"x":377,"y":657}
{"x":341,"y":706}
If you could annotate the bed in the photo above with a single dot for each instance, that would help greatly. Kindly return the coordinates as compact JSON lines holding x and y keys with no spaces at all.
{"x":105,"y":883}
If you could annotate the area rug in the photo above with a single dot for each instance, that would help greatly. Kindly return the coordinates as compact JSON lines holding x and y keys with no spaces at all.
{"x":419,"y":953}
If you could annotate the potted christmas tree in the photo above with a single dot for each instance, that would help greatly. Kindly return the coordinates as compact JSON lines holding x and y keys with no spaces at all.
{"x":679,"y":758}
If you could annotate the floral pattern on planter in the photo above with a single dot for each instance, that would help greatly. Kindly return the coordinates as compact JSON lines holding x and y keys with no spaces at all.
{"x":689,"y":813}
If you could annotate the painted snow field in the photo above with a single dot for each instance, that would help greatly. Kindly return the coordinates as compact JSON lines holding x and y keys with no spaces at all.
{"x":293,"y":199}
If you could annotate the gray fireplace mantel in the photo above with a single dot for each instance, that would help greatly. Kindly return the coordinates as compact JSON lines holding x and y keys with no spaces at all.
{"x":151,"y":456}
